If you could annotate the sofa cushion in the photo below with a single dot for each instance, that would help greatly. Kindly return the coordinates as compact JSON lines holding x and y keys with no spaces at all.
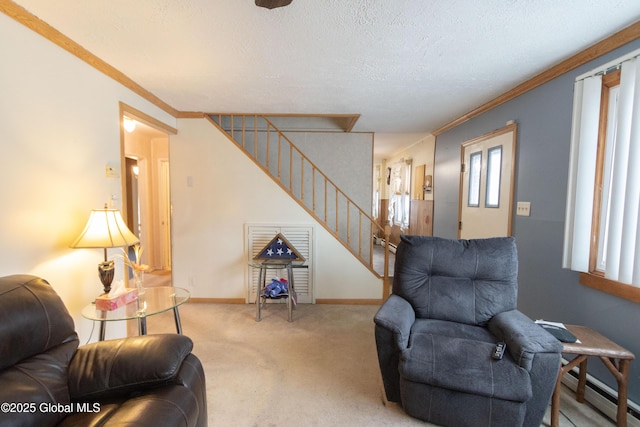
{"x":464,"y":365}
{"x":467,"y":281}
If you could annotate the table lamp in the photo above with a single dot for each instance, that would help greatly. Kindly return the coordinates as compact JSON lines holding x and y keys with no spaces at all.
{"x":105,"y":229}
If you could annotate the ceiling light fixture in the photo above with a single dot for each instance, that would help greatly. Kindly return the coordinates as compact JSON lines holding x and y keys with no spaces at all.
{"x":129,"y":124}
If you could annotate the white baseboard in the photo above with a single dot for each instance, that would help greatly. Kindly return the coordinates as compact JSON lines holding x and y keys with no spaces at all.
{"x":606,"y":406}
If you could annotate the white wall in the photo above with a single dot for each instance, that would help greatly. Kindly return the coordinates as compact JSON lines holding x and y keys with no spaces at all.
{"x":216,"y":190}
{"x":59,"y":127}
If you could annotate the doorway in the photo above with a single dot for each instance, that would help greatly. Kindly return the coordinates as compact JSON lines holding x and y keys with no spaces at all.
{"x":487,"y":174}
{"x":133,"y":199}
{"x":146,"y":190}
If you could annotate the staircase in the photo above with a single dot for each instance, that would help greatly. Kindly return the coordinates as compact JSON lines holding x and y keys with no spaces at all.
{"x":296,"y":174}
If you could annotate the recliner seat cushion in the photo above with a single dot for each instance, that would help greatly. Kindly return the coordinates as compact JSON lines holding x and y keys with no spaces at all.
{"x":452,"y":329}
{"x":464,"y":365}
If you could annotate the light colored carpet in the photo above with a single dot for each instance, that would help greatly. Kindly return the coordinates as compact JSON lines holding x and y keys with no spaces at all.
{"x":320,"y":370}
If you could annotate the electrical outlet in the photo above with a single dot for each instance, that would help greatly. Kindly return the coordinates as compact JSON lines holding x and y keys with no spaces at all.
{"x":523,"y":209}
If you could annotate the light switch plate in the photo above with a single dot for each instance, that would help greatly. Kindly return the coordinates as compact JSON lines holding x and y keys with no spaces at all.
{"x":111,"y":172}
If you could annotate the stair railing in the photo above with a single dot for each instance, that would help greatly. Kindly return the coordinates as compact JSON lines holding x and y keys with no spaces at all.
{"x":296,"y":174}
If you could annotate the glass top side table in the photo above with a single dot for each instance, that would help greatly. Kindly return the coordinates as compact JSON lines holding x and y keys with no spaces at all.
{"x":157,"y":299}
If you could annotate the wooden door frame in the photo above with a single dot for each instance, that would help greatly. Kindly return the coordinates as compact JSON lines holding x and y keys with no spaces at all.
{"x":133,"y":113}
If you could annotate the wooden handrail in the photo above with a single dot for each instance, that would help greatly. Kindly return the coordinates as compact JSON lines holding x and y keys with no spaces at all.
{"x":314,"y":167}
{"x":327,"y":185}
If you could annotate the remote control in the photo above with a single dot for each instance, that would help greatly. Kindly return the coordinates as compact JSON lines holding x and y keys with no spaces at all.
{"x":499,"y":351}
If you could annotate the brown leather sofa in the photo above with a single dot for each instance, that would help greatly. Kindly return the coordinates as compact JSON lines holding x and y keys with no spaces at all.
{"x":46,"y":379}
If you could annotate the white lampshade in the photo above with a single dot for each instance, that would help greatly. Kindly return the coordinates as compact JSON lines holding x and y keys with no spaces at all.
{"x":105,"y":229}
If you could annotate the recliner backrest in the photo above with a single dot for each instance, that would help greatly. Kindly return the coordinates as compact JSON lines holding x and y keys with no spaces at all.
{"x":466,"y":281}
{"x":33,"y":319}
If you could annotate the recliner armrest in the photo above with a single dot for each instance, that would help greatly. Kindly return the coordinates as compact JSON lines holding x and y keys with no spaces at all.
{"x":523,"y":337}
{"x":118,"y":367}
{"x":397,"y":316}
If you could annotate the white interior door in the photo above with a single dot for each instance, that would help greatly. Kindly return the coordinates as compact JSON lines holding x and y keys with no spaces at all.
{"x":487,"y":173}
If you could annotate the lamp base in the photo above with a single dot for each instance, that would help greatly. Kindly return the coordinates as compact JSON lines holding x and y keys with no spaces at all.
{"x":106,"y":271}
{"x":272,"y":4}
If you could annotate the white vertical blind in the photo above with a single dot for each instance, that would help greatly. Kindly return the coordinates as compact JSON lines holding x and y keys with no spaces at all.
{"x":622,"y":261}
{"x":625,"y":189}
{"x":582,"y":169}
{"x":612,"y":119}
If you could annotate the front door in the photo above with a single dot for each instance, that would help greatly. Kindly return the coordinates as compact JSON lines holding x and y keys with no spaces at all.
{"x":487,"y":173}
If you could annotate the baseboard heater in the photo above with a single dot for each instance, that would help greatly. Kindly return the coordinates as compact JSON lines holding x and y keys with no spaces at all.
{"x":380,"y":241}
{"x":602,"y":397}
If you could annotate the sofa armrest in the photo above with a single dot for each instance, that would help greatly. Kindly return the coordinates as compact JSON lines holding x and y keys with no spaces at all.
{"x":117,"y":367}
{"x":397,"y":316}
{"x":523,"y":337}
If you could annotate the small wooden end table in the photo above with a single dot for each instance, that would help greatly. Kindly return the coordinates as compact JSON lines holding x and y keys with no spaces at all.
{"x":615,"y":357}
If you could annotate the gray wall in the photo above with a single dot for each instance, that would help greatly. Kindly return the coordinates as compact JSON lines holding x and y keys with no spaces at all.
{"x":545,"y":289}
{"x":346,"y":157}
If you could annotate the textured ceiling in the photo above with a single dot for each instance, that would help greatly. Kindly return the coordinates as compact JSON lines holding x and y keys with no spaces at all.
{"x":407,"y":66}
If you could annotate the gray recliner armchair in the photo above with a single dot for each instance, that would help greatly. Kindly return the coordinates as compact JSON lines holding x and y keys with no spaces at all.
{"x":452,"y":302}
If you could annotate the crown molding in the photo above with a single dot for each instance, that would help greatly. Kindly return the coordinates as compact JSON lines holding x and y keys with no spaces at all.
{"x":607,"y":45}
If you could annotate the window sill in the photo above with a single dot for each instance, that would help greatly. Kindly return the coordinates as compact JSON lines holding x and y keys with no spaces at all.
{"x":612,"y":287}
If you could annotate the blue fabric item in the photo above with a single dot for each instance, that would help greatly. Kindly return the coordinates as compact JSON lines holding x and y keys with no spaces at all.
{"x":277,"y":288}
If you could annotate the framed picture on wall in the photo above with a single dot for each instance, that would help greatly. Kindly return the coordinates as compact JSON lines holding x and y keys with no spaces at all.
{"x":428,"y":183}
